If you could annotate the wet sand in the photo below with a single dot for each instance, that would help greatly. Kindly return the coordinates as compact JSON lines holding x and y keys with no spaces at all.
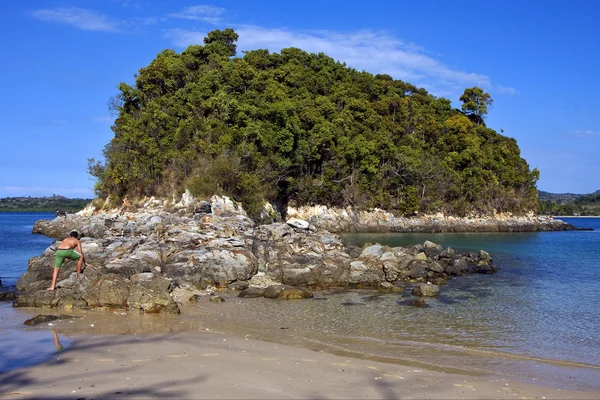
{"x":213,"y":365}
{"x":152,"y":356}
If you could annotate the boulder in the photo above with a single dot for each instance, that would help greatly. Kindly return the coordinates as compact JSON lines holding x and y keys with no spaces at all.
{"x":295,"y":294}
{"x":297,"y":223}
{"x":426,"y":290}
{"x":419,"y":303}
{"x":40,"y":319}
{"x":374,"y":251}
{"x":8,"y":296}
{"x":457,"y":267}
{"x":273,"y":291}
{"x":252,"y":292}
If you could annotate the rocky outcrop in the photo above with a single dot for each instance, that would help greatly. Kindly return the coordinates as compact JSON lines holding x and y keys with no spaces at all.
{"x":377,"y":220}
{"x":301,"y":257}
{"x":139,"y":254}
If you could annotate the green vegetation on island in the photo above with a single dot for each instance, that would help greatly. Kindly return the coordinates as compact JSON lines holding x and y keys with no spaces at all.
{"x":42,"y":204}
{"x":570,"y":204}
{"x":294,"y":126}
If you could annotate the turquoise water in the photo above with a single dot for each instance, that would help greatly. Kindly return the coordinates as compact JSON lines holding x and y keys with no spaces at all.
{"x":543,"y":305}
{"x":538,"y":318}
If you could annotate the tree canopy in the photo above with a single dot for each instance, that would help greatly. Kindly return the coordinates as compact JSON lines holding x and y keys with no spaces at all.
{"x":302,"y":127}
{"x":475,"y":103}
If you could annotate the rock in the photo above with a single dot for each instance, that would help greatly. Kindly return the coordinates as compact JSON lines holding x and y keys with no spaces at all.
{"x":447,"y":253}
{"x":435,"y":267}
{"x":374,"y":251}
{"x":376,"y":220}
{"x":458,"y":267}
{"x":363,"y":275}
{"x":40,"y":319}
{"x":426,"y":290}
{"x":484,"y":256}
{"x":297,"y":223}
{"x":223,"y":206}
{"x":295,"y":294}
{"x":8,"y":296}
{"x":195,"y":298}
{"x":421,"y":257}
{"x":438,"y":281}
{"x":390,"y":287}
{"x":431,"y":245}
{"x":216,"y":299}
{"x":238,"y":285}
{"x":151,"y":295}
{"x":138,"y":256}
{"x":419,"y":303}
{"x":252,"y":292}
{"x":418,"y":269}
{"x":484,"y":268}
{"x":203,"y":207}
{"x":110,"y":290}
{"x":143,"y":277}
{"x":186,"y":199}
{"x":273,"y":291}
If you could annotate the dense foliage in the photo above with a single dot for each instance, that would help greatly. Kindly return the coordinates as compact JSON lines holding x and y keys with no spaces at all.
{"x":294,"y":126}
{"x":569,"y":204}
{"x":51,"y":204}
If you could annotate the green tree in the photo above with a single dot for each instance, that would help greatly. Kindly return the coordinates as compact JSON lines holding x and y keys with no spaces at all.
{"x":476,"y":103}
{"x":300,"y":127}
{"x":222,"y":42}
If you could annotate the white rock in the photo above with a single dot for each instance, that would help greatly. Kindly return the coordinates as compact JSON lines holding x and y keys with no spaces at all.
{"x":298,"y":223}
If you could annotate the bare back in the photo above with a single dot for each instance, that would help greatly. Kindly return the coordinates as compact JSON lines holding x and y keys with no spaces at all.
{"x":68,"y":243}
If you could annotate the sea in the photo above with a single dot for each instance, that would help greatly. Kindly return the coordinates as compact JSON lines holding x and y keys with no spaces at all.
{"x":537,"y":319}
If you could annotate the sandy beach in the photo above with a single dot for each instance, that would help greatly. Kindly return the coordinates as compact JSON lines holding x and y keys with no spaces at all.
{"x":212,"y":365}
{"x":120,"y":357}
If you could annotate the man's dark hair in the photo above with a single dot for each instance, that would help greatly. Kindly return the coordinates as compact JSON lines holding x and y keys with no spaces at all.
{"x":74,"y":234}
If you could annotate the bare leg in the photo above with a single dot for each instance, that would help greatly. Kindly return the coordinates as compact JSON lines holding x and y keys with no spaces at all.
{"x":54,"y":276}
{"x":79,"y":264}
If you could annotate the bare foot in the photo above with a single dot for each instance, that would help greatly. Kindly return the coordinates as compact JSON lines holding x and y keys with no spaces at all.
{"x":50,"y":288}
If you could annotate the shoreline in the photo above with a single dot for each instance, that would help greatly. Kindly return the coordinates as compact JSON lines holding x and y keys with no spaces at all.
{"x":210,"y":364}
{"x":117,"y":354}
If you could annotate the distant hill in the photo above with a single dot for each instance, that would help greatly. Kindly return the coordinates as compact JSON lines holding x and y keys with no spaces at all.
{"x":569,"y":203}
{"x":50,"y":204}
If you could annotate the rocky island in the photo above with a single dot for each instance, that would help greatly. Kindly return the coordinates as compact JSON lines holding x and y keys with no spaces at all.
{"x":308,"y":148}
{"x":140,"y":256}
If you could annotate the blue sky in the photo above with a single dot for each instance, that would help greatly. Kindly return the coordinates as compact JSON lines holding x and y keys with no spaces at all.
{"x":62,"y":60}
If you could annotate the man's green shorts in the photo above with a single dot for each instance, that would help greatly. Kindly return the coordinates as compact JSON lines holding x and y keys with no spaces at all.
{"x":61,"y":254}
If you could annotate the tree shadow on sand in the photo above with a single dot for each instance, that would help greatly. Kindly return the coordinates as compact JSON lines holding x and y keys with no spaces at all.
{"x":16,"y":382}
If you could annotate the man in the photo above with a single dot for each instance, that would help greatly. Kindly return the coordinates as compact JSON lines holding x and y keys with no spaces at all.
{"x":66,"y":250}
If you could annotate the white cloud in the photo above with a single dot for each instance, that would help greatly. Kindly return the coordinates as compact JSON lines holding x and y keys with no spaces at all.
{"x":585,"y":134}
{"x":204,"y":13}
{"x":372,"y":51}
{"x":507,"y":90}
{"x":79,"y":18}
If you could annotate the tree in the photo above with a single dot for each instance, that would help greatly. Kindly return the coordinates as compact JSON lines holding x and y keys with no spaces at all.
{"x":223,"y":42}
{"x":300,"y":127}
{"x":475,"y":104}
